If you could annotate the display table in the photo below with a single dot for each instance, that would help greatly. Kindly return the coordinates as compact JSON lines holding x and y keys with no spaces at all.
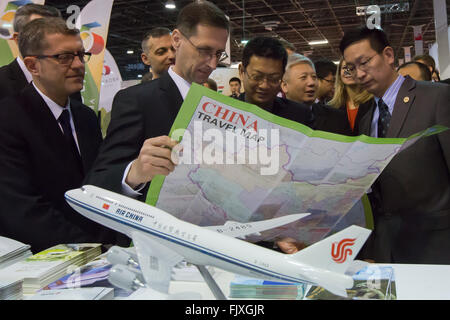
{"x":412,"y":282}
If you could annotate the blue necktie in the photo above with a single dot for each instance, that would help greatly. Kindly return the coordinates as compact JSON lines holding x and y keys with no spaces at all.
{"x":383,"y":119}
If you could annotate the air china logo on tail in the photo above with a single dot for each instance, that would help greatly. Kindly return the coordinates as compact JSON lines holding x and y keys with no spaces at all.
{"x":340,"y":250}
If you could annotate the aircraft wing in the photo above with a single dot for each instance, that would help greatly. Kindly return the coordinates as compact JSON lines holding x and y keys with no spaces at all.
{"x":241,"y":230}
{"x":156,"y":261}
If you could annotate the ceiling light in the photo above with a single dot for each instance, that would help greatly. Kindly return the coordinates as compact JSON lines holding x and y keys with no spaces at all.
{"x":317,"y":42}
{"x":130,"y":51}
{"x":139,"y":75}
{"x":244,"y":42}
{"x":170,"y":4}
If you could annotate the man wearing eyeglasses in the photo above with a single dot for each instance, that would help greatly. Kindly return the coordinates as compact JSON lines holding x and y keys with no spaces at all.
{"x":136,"y":147}
{"x":47,"y":142}
{"x":411,"y":197}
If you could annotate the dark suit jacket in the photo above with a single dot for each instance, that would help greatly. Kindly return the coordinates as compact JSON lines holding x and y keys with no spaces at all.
{"x":138,"y":113}
{"x":411,"y":197}
{"x":13,"y":81}
{"x":330,"y":119}
{"x":37,"y":167}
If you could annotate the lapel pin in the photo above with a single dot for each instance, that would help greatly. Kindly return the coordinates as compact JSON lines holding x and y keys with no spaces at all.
{"x":405,"y":99}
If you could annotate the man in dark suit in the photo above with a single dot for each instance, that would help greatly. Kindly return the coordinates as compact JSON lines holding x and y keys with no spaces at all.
{"x":15,"y":76}
{"x":47,"y":142}
{"x":300,"y":84}
{"x":411,"y":197}
{"x":263,"y":64}
{"x":136,"y":147}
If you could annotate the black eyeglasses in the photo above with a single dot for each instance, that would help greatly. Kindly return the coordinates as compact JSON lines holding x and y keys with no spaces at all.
{"x":205,"y":53}
{"x":66,"y":58}
{"x":363,"y":66}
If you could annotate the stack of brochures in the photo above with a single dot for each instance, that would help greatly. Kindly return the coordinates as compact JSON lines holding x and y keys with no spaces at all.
{"x":12,"y":251}
{"x":243,"y":287}
{"x":93,"y":293}
{"x":49,"y":265}
{"x":373,"y":282}
{"x":10,"y":289}
{"x":94,"y":273}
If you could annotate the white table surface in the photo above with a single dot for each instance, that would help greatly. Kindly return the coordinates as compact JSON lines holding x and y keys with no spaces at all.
{"x":412,"y":282}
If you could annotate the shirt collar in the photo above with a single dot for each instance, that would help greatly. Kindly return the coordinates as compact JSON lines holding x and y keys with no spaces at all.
{"x":24,"y":69}
{"x":55,"y":108}
{"x":391,"y":93}
{"x":182,"y":85}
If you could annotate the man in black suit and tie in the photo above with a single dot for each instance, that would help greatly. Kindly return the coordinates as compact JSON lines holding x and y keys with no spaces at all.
{"x":136,"y":147}
{"x":411,"y":197}
{"x":15,"y":76}
{"x":47,"y":142}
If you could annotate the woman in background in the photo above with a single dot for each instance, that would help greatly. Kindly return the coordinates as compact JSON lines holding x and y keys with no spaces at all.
{"x":350,"y":97}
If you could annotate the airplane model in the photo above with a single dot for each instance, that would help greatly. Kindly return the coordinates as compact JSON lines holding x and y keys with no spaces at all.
{"x":162,"y":241}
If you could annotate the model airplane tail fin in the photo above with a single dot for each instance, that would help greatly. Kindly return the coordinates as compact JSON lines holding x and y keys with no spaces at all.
{"x":336,"y":252}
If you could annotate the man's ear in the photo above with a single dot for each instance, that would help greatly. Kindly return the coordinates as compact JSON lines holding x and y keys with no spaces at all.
{"x":241,"y":71}
{"x":176,"y":39}
{"x":32,"y":64}
{"x":388,"y":54}
{"x":15,"y":37}
{"x":284,"y":87}
{"x":144,"y":59}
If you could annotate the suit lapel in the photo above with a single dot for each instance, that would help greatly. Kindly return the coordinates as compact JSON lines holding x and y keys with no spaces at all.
{"x":172,"y":94}
{"x":46,"y":123}
{"x":366,"y":121}
{"x":43,"y":118}
{"x":83,"y":132}
{"x":403,"y":102}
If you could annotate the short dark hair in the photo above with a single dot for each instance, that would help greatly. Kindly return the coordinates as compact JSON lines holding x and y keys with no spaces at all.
{"x":324,"y":68}
{"x":212,"y":84}
{"x":377,"y":38}
{"x":265,"y":47}
{"x":235,"y":79}
{"x":157,"y":32}
{"x":32,"y":38}
{"x":424,"y":71}
{"x":429,"y":60}
{"x":23,"y":14}
{"x":201,"y":13}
